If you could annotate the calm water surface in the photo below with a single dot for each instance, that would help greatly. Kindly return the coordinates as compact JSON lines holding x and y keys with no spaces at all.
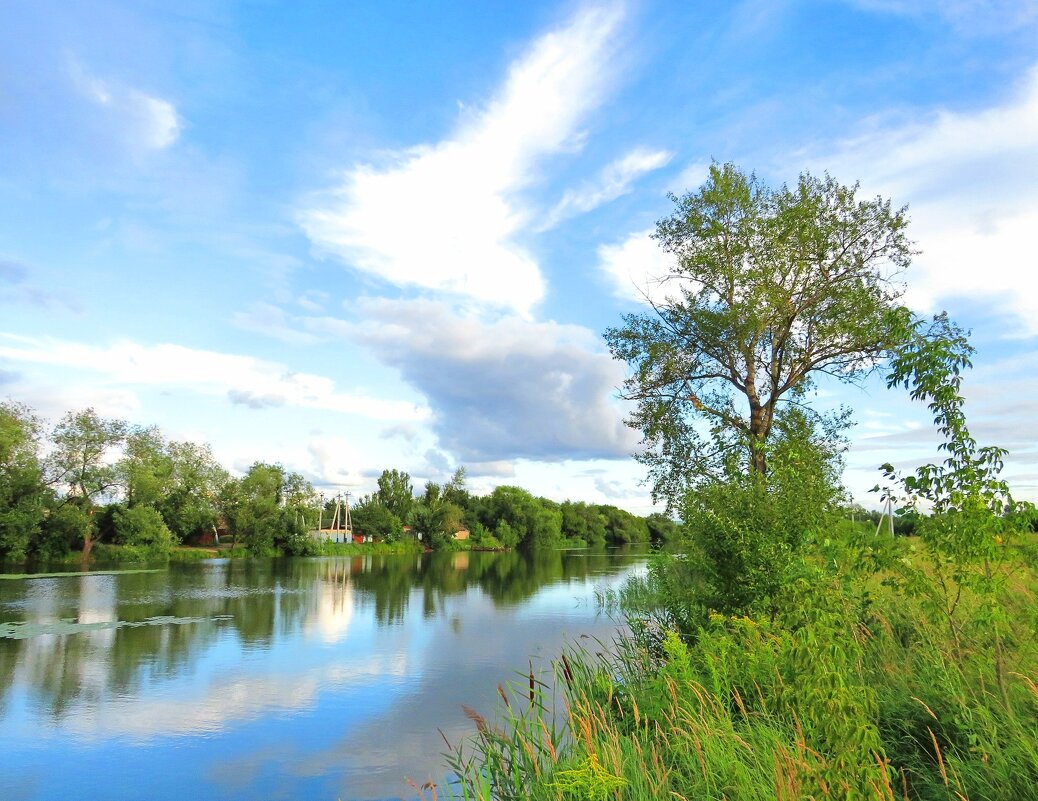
{"x":274,"y":679}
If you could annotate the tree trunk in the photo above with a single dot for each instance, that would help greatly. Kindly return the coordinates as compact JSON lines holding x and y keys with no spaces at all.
{"x":758,"y":461}
{"x":758,"y":436}
{"x":88,"y":543}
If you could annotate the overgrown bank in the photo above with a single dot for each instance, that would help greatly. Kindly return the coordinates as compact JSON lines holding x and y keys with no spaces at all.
{"x":789,"y":652}
{"x":853,"y":689}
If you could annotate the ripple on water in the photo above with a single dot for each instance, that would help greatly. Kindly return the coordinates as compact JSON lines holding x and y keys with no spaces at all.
{"x":26,"y":630}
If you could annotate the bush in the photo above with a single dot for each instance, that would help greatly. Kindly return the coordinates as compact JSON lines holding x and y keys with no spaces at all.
{"x":142,"y":526}
{"x":62,"y":529}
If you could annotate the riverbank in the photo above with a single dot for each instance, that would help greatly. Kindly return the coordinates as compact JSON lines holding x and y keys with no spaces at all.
{"x":107,"y":555}
{"x":857,"y":686}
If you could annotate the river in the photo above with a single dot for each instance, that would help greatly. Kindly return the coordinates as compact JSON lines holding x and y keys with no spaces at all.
{"x":275,"y":679}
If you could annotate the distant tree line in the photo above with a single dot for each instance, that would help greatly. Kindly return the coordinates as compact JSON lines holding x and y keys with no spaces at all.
{"x":93,"y":480}
{"x":509,"y":517}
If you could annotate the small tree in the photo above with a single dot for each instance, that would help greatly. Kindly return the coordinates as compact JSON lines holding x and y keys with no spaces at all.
{"x":396,"y":493}
{"x":191,"y":507}
{"x":372,"y":518}
{"x":146,"y":470}
{"x":771,"y":287}
{"x":972,"y":512}
{"x":83,"y":460}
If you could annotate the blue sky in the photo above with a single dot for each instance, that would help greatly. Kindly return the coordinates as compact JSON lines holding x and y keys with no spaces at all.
{"x":356,"y":236}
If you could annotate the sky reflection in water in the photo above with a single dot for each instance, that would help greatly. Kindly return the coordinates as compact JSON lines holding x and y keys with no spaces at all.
{"x":323,"y":678}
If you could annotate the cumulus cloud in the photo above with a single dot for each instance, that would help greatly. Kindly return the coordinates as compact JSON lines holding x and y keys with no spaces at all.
{"x":498,"y":469}
{"x":447,"y":216}
{"x":506,"y":388}
{"x":972,"y":181}
{"x":615,"y":180}
{"x":148,"y":122}
{"x":244,"y":379}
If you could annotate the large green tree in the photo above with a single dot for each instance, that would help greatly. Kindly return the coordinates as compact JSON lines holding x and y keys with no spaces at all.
{"x":396,"y":493}
{"x":270,"y":509}
{"x":22,"y":492}
{"x":517,"y":517}
{"x":146,"y":469}
{"x":770,"y":288}
{"x":82,"y":461}
{"x":191,"y":507}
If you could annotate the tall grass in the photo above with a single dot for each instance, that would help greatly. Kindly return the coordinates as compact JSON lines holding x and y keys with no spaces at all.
{"x":855,"y":691}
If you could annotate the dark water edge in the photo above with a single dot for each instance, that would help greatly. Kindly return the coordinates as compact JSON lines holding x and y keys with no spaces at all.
{"x":287,"y":678}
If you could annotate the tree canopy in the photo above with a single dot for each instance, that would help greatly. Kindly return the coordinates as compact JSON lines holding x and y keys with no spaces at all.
{"x":770,"y":288}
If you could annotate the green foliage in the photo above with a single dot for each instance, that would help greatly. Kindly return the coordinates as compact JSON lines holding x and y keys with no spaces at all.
{"x":973,"y":515}
{"x":371,"y":517}
{"x":662,"y":528}
{"x":749,"y":531}
{"x":144,"y":527}
{"x":191,"y":504}
{"x":271,"y":510}
{"x":771,"y":287}
{"x":395,"y":493}
{"x":582,"y":521}
{"x":66,"y":525}
{"x":518,"y":518}
{"x":22,"y":493}
{"x":406,"y":546}
{"x":146,"y":470}
{"x":82,"y":442}
{"x":505,"y":534}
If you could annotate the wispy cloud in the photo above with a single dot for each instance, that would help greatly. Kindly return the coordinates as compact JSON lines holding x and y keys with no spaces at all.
{"x":447,"y":216}
{"x":976,"y":17}
{"x":242,"y":379}
{"x":146,"y":121}
{"x":15,"y":288}
{"x":972,"y":181}
{"x":272,"y":321}
{"x":615,"y":180}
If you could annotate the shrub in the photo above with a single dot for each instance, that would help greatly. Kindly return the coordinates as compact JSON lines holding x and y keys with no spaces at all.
{"x":142,"y":526}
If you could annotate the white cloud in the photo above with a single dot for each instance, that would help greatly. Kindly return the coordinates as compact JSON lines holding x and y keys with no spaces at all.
{"x":691,"y":177}
{"x":446,"y":216}
{"x":972,"y":181}
{"x":148,"y":122}
{"x":336,"y":462}
{"x":505,"y":388}
{"x":615,"y":180}
{"x":637,"y":267}
{"x":243,"y":379}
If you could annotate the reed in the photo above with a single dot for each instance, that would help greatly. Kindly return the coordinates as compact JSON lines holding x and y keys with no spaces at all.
{"x":854,"y":691}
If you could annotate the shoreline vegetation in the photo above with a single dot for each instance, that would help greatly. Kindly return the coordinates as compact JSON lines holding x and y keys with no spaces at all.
{"x":790,"y":651}
{"x":852,"y":687}
{"x":99,"y":491}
